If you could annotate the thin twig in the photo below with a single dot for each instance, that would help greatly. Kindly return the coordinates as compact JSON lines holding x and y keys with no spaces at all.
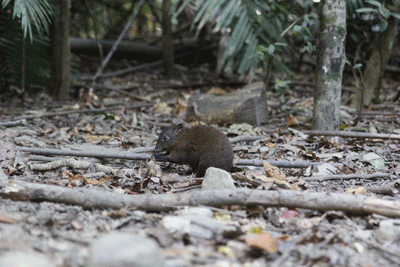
{"x":348,"y":176}
{"x":62,"y":113}
{"x":119,"y":39}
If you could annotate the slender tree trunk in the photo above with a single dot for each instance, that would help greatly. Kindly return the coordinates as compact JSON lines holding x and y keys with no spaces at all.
{"x":167,"y":39}
{"x":23,"y":61}
{"x":330,"y":64}
{"x":61,"y":54}
{"x":376,"y":64}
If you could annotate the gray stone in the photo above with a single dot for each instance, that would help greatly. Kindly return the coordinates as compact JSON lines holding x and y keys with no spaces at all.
{"x":122,"y":250}
{"x":199,"y":211}
{"x":388,"y":231}
{"x":217,"y":179}
{"x":25,"y":259}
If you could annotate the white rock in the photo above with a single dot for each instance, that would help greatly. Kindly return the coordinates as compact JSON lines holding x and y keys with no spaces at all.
{"x":24,"y":259}
{"x":175,"y":224}
{"x":199,"y":211}
{"x":376,"y":161}
{"x":217,"y":179}
{"x":123,"y":249}
{"x":388,"y":231}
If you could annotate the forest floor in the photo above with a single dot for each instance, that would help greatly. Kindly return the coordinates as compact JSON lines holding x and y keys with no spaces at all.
{"x":41,"y":224}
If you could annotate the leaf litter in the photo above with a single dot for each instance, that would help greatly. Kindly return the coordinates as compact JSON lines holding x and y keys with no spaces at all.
{"x":231,"y":235}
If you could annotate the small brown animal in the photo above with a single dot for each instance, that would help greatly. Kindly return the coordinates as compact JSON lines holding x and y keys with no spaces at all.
{"x":200,"y":147}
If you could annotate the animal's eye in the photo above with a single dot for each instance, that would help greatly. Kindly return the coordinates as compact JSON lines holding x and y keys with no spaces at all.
{"x":166,"y":138}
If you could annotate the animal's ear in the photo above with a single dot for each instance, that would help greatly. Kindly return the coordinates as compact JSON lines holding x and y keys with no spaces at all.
{"x":178,"y":127}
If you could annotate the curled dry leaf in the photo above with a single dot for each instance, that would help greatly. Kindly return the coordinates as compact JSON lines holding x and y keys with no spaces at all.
{"x":5,"y":219}
{"x":154,"y":168}
{"x":80,"y":178}
{"x":278,"y":176}
{"x":262,"y":241}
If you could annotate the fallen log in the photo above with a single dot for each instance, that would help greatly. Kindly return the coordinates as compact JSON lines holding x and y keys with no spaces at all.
{"x":92,"y":198}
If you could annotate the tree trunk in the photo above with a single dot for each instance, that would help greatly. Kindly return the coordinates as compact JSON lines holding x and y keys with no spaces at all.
{"x":167,"y":39}
{"x":61,"y":54}
{"x":376,"y":64}
{"x":330,"y":64}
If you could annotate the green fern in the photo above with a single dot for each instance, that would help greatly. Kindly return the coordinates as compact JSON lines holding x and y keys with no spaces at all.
{"x":249,"y":23}
{"x":37,"y":58}
{"x":36,"y":12}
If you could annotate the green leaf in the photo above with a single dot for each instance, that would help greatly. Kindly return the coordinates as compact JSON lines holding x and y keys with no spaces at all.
{"x":375,"y":3}
{"x":384,"y":12}
{"x":366,"y":10}
{"x":271,"y":50}
{"x":397,"y":16}
{"x":36,"y":12}
{"x":357,"y":66}
{"x":383,"y":25}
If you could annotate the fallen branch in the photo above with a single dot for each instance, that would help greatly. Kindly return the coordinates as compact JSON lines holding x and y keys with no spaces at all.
{"x":12,"y":123}
{"x":90,"y":198}
{"x":282,"y":163}
{"x":133,"y":156}
{"x":74,"y":164}
{"x":74,"y":153}
{"x":390,"y":188}
{"x":118,"y":41}
{"x":246,"y":138}
{"x":336,"y":133}
{"x":67,"y":112}
{"x":347,"y":176}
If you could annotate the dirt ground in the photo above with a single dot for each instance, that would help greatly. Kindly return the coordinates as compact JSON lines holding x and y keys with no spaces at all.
{"x":62,"y":234}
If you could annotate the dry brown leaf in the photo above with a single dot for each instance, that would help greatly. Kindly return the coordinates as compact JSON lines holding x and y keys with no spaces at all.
{"x":262,"y":241}
{"x":291,"y":121}
{"x":88,"y":128}
{"x":277,"y":176}
{"x":95,"y":139}
{"x":180,"y":106}
{"x":361,"y":190}
{"x":5,"y":219}
{"x":81,"y":178}
{"x":216,"y":91}
{"x":162,"y":108}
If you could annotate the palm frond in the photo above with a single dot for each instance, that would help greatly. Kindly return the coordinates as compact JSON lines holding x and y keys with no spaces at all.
{"x":37,"y":58}
{"x":36,"y":12}
{"x":248,"y":23}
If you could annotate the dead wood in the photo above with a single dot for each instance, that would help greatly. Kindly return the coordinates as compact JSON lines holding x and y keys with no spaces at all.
{"x":12,"y":123}
{"x":282,"y":163}
{"x":89,"y":198}
{"x":320,"y":133}
{"x":126,"y":49}
{"x":244,"y":105}
{"x":68,"y":112}
{"x":390,"y":188}
{"x":134,"y":156}
{"x":118,"y":41}
{"x":74,"y":164}
{"x":321,"y":178}
{"x":94,"y":154}
{"x":354,"y":134}
{"x":246,"y":138}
